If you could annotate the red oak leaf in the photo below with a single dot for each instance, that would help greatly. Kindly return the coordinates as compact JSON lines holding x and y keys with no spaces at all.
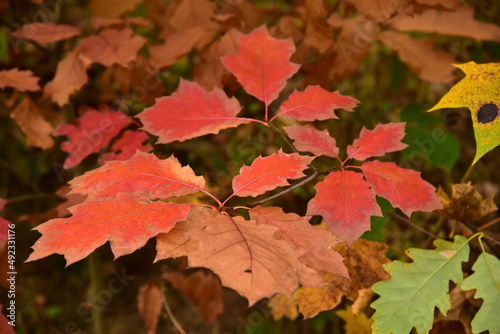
{"x":143,"y":174}
{"x":124,"y":148}
{"x":47,"y":32}
{"x":346,"y":203}
{"x":126,"y":223}
{"x":113,"y":46}
{"x":383,"y":139}
{"x":404,"y":188}
{"x":268,"y":173}
{"x":93,"y":132}
{"x":249,"y":259}
{"x":315,"y":103}
{"x":298,"y":231}
{"x":308,"y":138}
{"x":191,"y":112}
{"x":21,"y":81}
{"x":262,"y":64}
{"x":70,"y":76}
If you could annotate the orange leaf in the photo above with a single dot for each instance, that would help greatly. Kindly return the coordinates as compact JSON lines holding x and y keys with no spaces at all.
{"x":143,"y":174}
{"x":30,"y":119}
{"x":70,"y":76}
{"x":21,"y":81}
{"x":346,"y":203}
{"x":126,"y":223}
{"x":191,"y":112}
{"x":383,"y":139}
{"x":113,"y":46}
{"x":262,"y":64}
{"x":404,"y":188}
{"x":47,"y":32}
{"x":248,"y":258}
{"x":308,"y":139}
{"x":268,"y":173}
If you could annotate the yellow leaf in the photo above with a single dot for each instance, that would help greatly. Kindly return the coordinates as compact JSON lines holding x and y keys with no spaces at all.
{"x":480,"y":92}
{"x":355,"y":324}
{"x":282,"y":306}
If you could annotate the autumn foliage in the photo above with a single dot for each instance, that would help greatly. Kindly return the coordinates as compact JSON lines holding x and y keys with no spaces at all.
{"x":128,"y":188}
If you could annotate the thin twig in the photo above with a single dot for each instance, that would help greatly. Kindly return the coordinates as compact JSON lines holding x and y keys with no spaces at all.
{"x":491,"y":223}
{"x":287,"y":190}
{"x":412,"y":224}
{"x":488,"y":240}
{"x":167,"y":308}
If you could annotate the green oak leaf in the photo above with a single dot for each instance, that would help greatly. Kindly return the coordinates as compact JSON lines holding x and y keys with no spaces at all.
{"x":409,"y":297}
{"x":480,"y":92}
{"x":486,"y":281}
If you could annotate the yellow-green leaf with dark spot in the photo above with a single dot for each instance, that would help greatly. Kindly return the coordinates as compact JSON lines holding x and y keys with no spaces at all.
{"x":480,"y":92}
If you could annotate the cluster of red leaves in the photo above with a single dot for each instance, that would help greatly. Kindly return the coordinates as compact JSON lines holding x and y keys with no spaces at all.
{"x":213,"y":31}
{"x":130,"y":201}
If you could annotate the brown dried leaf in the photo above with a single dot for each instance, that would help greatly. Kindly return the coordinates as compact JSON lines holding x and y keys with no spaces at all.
{"x":448,"y":4}
{"x":70,"y":76}
{"x":460,"y":22}
{"x":348,"y":52}
{"x":465,"y":203}
{"x":46,"y":32}
{"x":210,"y":72}
{"x":312,"y":301}
{"x":364,"y":260}
{"x":112,"y":8}
{"x":30,"y":119}
{"x":175,"y":243}
{"x":460,"y":311}
{"x":176,"y":45}
{"x":381,"y":10}
{"x":203,"y":289}
{"x":21,"y":81}
{"x":318,"y":34}
{"x":112,"y":46}
{"x":420,"y":56}
{"x":138,"y":78}
{"x":149,"y":303}
{"x":249,"y":259}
